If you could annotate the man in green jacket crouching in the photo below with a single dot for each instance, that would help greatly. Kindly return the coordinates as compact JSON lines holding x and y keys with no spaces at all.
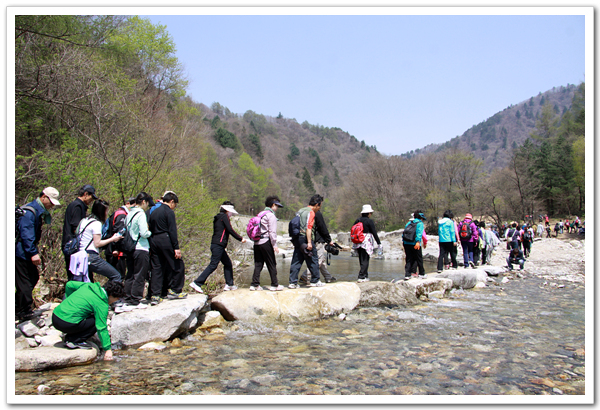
{"x":84,"y":311}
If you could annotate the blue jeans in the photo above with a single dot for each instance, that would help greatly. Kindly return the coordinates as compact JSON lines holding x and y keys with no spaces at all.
{"x":299,"y":257}
{"x":101,"y":267}
{"x":467,"y":252}
{"x":510,"y":261}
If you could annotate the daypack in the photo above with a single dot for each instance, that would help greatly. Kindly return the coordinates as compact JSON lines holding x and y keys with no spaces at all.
{"x":465,"y":232}
{"x":357,"y":234}
{"x":109,"y":228}
{"x":527,"y":236}
{"x":294,"y":226}
{"x":73,"y":245}
{"x":253,"y":229}
{"x":19,"y":212}
{"x":410,"y":232}
{"x":127,"y":244}
{"x":514,"y":235}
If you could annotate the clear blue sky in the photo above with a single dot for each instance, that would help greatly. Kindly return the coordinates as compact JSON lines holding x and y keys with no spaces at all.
{"x":397,"y":82}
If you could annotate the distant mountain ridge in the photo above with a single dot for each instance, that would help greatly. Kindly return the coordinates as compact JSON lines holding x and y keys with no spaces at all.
{"x":492,"y":140}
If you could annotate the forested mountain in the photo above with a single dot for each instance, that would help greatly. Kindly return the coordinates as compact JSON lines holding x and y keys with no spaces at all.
{"x":494,"y":139}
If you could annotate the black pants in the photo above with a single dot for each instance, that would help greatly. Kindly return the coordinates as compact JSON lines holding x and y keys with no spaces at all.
{"x":118,"y":262}
{"x":264,"y":253}
{"x":414,"y":258}
{"x":167,"y":272}
{"x":363,"y":259}
{"x":447,"y":248}
{"x":218,"y":254}
{"x":138,"y":266}
{"x":476,"y":253}
{"x":483,"y":256}
{"x":526,"y":248}
{"x":67,"y":265}
{"x":75,"y":332}
{"x":26,"y":277}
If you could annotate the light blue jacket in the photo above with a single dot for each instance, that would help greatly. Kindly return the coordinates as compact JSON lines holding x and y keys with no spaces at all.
{"x":446,"y":230}
{"x":139,"y":228}
{"x":420,"y":228}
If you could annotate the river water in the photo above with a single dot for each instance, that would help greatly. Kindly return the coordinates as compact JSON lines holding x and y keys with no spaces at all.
{"x":518,"y":338}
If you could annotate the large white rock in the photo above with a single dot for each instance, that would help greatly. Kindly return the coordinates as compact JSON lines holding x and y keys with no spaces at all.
{"x":494,"y":270}
{"x":289,"y":305}
{"x":464,"y":278}
{"x":385,"y":294}
{"x":156,"y":323}
{"x":426,"y":286}
{"x":49,"y":357}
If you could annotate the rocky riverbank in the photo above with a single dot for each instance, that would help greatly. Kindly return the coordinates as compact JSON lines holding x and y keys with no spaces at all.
{"x":39,"y":346}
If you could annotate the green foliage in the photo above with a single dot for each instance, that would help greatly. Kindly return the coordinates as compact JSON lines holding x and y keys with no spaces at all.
{"x":318,"y":167}
{"x":294,"y":152}
{"x":226,"y":139}
{"x":255,"y":183}
{"x":255,"y":142}
{"x":307,"y":181}
{"x":216,"y":122}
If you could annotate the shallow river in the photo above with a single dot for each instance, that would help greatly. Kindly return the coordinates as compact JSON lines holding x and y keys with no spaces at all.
{"x":516,"y":338}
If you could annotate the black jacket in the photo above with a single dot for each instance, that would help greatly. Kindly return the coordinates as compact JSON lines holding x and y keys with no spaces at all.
{"x":321,"y":232}
{"x":73,"y":215}
{"x":221,"y":230}
{"x":162,"y":221}
{"x":368,"y":227}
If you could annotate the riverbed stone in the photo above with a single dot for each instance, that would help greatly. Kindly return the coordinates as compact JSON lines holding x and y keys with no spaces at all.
{"x":378,"y":293}
{"x":28,"y":328}
{"x":290,"y":305}
{"x":53,"y":357}
{"x":212,"y":319}
{"x":156,"y":323}
{"x":464,"y":278}
{"x":423,"y":287}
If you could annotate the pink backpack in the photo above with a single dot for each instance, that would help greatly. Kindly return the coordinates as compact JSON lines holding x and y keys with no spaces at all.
{"x":253,"y":228}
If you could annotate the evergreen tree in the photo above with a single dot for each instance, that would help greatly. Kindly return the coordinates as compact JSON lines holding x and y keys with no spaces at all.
{"x":307,"y":181}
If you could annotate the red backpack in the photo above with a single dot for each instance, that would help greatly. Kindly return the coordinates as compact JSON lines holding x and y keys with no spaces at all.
{"x":357,"y":233}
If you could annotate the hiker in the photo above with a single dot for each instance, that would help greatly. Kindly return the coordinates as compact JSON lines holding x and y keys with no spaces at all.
{"x":366,"y":247}
{"x":221,"y":231}
{"x":548,"y":230}
{"x":321,"y":238}
{"x":266,"y":247}
{"x":512,"y":237}
{"x":304,"y":246}
{"x":467,"y":233}
{"x":84,"y":311}
{"x":560,"y":223}
{"x":27,"y":257}
{"x":90,"y":229}
{"x":491,"y":241}
{"x":138,"y":261}
{"x":74,"y":213}
{"x":547,"y":220}
{"x":113,"y":254}
{"x":167,"y":276}
{"x":411,"y":240}
{"x":527,"y":240}
{"x":482,"y":244}
{"x":448,"y":241}
{"x":515,"y":256}
{"x":540,"y":230}
{"x":556,"y":229}
{"x":477,"y":244}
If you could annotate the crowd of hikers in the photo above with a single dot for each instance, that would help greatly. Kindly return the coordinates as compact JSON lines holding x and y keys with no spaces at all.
{"x":141,"y":247}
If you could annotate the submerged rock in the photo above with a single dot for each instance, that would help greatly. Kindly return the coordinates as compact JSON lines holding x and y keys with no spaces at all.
{"x":374,"y":294}
{"x":423,"y":287}
{"x":290,"y":305}
{"x":156,"y":323}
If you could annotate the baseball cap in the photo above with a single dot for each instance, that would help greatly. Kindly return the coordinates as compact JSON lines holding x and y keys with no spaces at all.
{"x":51,"y":193}
{"x":91,"y":190}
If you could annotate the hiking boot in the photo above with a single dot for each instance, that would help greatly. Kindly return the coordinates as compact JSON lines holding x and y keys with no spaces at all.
{"x":331,"y":280}
{"x":363,"y":280}
{"x":446,"y":267}
{"x":196,"y":287}
{"x":276,"y":288}
{"x":318,"y":284}
{"x":173,"y":296}
{"x":293,"y":286}
{"x":80,"y":345}
{"x":227,"y":287}
{"x":155,"y":300}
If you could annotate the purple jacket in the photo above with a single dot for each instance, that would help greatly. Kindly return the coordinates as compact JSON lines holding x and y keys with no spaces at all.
{"x":474,"y":232}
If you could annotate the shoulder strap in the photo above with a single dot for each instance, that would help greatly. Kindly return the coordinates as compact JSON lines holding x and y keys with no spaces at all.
{"x":83,"y":230}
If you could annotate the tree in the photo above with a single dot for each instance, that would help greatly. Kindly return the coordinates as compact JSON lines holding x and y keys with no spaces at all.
{"x":307,"y":181}
{"x":294,"y":152}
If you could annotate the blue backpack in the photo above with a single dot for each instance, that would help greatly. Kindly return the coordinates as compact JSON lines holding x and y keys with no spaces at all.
{"x":294,"y":226}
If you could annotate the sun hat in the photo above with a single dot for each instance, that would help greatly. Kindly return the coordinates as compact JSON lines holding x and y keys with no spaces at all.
{"x":469,"y":216}
{"x":52,"y":194}
{"x":366,"y":209}
{"x":230,"y":208}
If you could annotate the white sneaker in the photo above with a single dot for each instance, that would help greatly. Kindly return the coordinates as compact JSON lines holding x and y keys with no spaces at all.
{"x":317,"y":285}
{"x":293,"y":286}
{"x":363,"y":280}
{"x":123,"y":308}
{"x":256,"y":288}
{"x":196,"y":287}
{"x":132,"y":307}
{"x":276,"y":288}
{"x":232,"y":287}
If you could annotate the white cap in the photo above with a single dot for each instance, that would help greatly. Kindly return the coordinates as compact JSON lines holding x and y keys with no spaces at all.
{"x":367,"y":209}
{"x":52,"y":194}
{"x":230,"y":208}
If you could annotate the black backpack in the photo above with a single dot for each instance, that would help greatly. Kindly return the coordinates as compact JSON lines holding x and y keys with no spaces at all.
{"x":294,"y":226}
{"x":20,"y":212}
{"x":74,"y":244}
{"x":410,"y":232}
{"x":127,"y":244}
{"x":527,"y":236}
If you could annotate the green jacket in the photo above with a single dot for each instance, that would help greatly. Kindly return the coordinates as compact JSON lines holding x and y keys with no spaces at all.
{"x":84,"y":300}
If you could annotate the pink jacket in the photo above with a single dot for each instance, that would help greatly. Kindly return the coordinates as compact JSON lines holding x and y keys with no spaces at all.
{"x":268,"y":228}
